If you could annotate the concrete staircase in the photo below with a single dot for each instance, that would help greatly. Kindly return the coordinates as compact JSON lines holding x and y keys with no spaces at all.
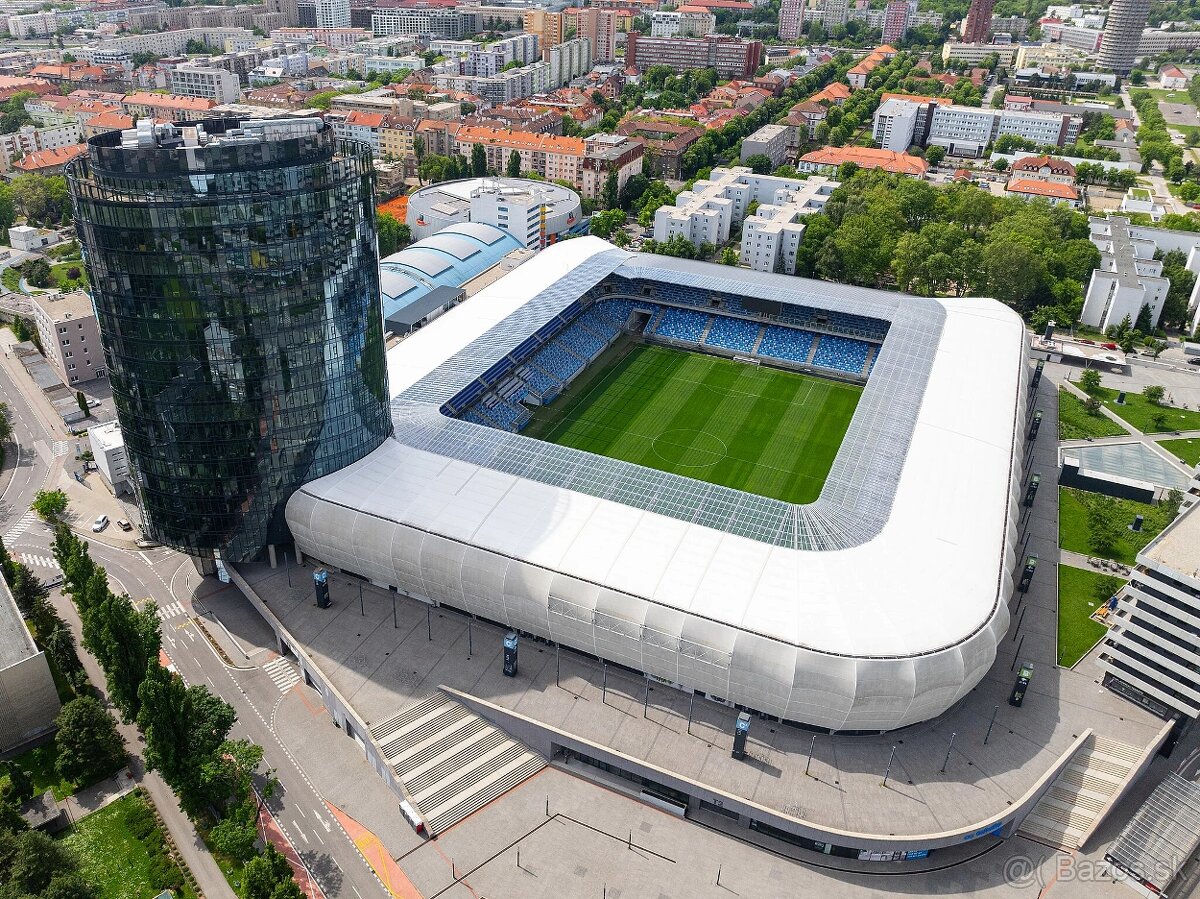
{"x":812,"y":350}
{"x":1072,"y":806}
{"x":451,"y":761}
{"x":872,"y":352}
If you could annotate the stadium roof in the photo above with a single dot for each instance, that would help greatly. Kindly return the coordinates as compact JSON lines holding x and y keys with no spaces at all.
{"x":450,"y":258}
{"x":912,"y":522}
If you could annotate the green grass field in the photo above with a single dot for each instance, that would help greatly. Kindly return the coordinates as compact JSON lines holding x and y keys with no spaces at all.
{"x":770,"y":432}
{"x":1074,"y":422}
{"x":1186,"y":448}
{"x":1080,"y":592}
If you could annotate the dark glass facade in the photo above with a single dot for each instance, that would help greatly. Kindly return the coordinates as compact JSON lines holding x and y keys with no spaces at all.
{"x":237,"y":290}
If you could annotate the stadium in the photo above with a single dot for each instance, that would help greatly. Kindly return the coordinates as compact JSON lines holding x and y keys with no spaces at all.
{"x":797,"y":497}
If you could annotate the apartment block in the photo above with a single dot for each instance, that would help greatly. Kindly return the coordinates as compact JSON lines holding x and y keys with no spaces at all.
{"x":791,"y":19}
{"x":203,"y":81}
{"x":488,"y":61}
{"x":977,"y":53}
{"x":597,"y":25}
{"x":70,"y":337}
{"x":434,"y":23}
{"x":28,"y":139}
{"x":685,"y":22}
{"x":546,"y":25}
{"x":965,"y":130}
{"x":731,"y":57}
{"x":770,"y":141}
{"x":568,"y":60}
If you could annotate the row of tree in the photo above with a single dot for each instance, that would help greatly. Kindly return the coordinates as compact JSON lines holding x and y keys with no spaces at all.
{"x":186,"y":728}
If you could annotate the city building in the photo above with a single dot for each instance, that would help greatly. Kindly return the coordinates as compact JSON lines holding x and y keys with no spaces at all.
{"x":1054,"y":192}
{"x":536,"y":213}
{"x":1155,"y":43}
{"x":242,"y":340}
{"x":1123,"y":34}
{"x":66,"y":325}
{"x":686,"y":21}
{"x":691,"y":583}
{"x":434,"y":22}
{"x":48,"y":162}
{"x":1152,"y":652}
{"x":167,"y":107}
{"x":857,"y":76}
{"x":977,"y":53}
{"x":770,"y":141}
{"x":27,"y":139}
{"x":730,"y":56}
{"x":1030,"y":56}
{"x":1172,"y":78}
{"x":772,"y":236}
{"x":666,"y":140}
{"x":488,"y":61}
{"x":364,"y":127}
{"x":108,"y":451}
{"x":28,"y":239}
{"x":827,"y":160}
{"x":1043,"y":168}
{"x":895,"y":20}
{"x":1129,"y":277}
{"x":568,"y":60}
{"x":333,"y":13}
{"x":546,"y":25}
{"x":29,"y":701}
{"x":596,"y":25}
{"x":1076,"y":37}
{"x":966,"y":130}
{"x":791,"y":20}
{"x":217,"y":85}
{"x":978,"y":25}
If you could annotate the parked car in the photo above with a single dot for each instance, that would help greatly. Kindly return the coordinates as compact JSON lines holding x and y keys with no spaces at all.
{"x":1194,"y":361}
{"x":124,"y":525}
{"x":144,"y":543}
{"x":99,"y":524}
{"x":92,"y":404}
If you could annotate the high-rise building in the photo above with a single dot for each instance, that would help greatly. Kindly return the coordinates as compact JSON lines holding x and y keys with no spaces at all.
{"x":730,"y":56}
{"x":895,"y":21}
{"x":791,"y":19}
{"x":834,"y":13}
{"x":547,"y":25}
{"x":979,"y":22}
{"x":597,"y":25}
{"x":235,"y":277}
{"x":333,"y":13}
{"x":1123,"y":34}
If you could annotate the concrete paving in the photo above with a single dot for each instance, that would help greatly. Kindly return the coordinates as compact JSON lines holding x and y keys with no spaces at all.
{"x":383,"y":665}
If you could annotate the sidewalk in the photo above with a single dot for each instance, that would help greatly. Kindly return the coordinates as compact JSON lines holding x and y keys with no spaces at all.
{"x":97,"y":796}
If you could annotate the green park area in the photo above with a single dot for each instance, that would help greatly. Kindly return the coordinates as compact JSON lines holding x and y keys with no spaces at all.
{"x":1186,"y":449}
{"x":1096,"y":525}
{"x":1077,"y":422}
{"x":1148,"y":411}
{"x":1080,"y":592}
{"x":122,"y":852}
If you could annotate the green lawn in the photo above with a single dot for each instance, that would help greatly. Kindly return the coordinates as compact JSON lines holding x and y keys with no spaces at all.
{"x":770,"y":432}
{"x":1077,"y":599}
{"x":1141,"y":413}
{"x":1186,"y":448}
{"x":1074,"y":422}
{"x":1164,"y":95}
{"x":1073,"y":524}
{"x":39,"y":765}
{"x":114,"y":861}
{"x":61,"y":275}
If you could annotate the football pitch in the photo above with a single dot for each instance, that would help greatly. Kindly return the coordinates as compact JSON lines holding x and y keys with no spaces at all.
{"x":770,"y":432}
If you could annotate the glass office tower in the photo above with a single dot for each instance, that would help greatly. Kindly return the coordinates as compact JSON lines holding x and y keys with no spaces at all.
{"x":234,"y":272}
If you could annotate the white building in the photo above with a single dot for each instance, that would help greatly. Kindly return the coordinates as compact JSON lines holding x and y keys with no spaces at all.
{"x":70,"y":336}
{"x":536,"y":213}
{"x":333,"y":13}
{"x":1155,"y":43}
{"x":28,"y":239}
{"x":770,"y":141}
{"x":488,"y":61}
{"x":29,"y":702}
{"x":436,"y":23}
{"x":201,"y":81}
{"x":772,"y":236}
{"x":1152,"y":652}
{"x":707,"y":212}
{"x":695,"y":23}
{"x":569,"y":60}
{"x":28,"y":139}
{"x":1030,"y":56}
{"x":1129,"y":277}
{"x":1172,"y":78}
{"x":967,"y":130}
{"x":977,"y":53}
{"x":108,"y":449}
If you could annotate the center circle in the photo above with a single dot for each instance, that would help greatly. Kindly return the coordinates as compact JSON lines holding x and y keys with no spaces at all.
{"x":689,"y":448}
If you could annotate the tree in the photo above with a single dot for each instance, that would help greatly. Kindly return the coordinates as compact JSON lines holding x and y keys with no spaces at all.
{"x":934,"y":155}
{"x":1106,"y":588}
{"x":478,"y":160}
{"x":89,"y":745}
{"x":760,"y":163}
{"x":1155,"y":347}
{"x":37,"y":272}
{"x":603,"y":224}
{"x":1089,"y":380}
{"x":20,"y":784}
{"x":610,"y":193}
{"x":6,"y":428}
{"x":1145,"y":319}
{"x":82,"y":401}
{"x":49,"y":504}
{"x":1103,"y":529}
{"x":264,"y":875}
{"x":1189,"y":191}
{"x":1154,"y":394}
{"x":125,"y":641}
{"x":36,"y":861}
{"x":729,"y":256}
{"x":393,"y":234}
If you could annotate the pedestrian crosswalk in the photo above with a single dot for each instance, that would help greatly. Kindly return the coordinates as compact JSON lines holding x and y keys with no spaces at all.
{"x":33,"y":560}
{"x":23,"y":524}
{"x":60,"y":447}
{"x":282,"y":673}
{"x":171,"y":610}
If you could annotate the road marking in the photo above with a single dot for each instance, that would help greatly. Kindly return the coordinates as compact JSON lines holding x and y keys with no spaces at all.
{"x":282,"y":673}
{"x":23,"y":524}
{"x":60,"y":447}
{"x":171,"y":610}
{"x":335,"y":863}
{"x":35,"y":561}
{"x":301,"y":811}
{"x":301,"y":832}
{"x":324,"y":823}
{"x":356,"y":892}
{"x":318,"y":836}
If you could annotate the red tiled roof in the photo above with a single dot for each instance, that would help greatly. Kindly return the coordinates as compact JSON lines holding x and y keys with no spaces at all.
{"x":112,"y":120}
{"x":1036,"y":163}
{"x":1049,"y":189}
{"x":48,"y":159}
{"x":868,"y":158}
{"x":364,"y":119}
{"x":168,"y":101}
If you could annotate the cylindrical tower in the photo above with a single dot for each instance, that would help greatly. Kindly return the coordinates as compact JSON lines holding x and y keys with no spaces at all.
{"x":234,"y":273}
{"x":1123,"y":35}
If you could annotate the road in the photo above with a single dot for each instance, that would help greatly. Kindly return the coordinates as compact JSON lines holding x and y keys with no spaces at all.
{"x":165,"y":577}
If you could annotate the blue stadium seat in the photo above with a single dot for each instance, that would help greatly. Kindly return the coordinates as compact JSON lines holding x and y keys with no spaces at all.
{"x":733,"y":333}
{"x":786,"y":343}
{"x":682,"y":324}
{"x":841,"y":354}
{"x":557,"y":362}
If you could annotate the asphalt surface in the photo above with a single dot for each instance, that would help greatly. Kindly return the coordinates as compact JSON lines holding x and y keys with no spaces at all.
{"x":167,"y":579}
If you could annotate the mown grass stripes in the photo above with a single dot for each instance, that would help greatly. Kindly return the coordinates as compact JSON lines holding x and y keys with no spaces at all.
{"x":770,"y":432}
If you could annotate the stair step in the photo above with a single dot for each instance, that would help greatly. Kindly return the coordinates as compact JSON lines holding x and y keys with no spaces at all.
{"x":393,"y":724}
{"x":435,"y":744}
{"x":477,"y":800}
